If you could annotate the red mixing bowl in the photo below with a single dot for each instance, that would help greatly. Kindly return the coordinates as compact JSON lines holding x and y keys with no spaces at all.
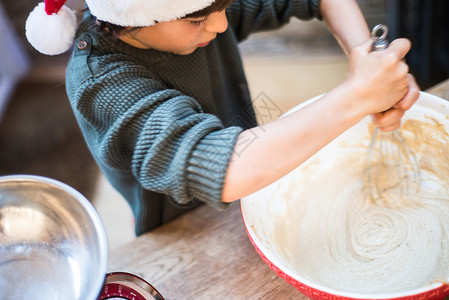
{"x":259,"y":212}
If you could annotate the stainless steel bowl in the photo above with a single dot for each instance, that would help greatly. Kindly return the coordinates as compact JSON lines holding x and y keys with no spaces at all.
{"x":52,"y":242}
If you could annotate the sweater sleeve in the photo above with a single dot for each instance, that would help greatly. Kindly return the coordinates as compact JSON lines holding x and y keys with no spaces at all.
{"x":249,"y":16}
{"x":132,"y":122}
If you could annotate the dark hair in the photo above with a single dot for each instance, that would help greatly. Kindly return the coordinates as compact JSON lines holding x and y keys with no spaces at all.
{"x":117,"y":30}
{"x":218,"y":5}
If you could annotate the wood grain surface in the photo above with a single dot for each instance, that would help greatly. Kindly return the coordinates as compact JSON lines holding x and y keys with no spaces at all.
{"x":205,"y":254}
{"x":441,"y":90}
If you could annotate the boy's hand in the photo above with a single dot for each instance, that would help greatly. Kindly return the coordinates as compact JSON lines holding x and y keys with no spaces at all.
{"x":381,"y":82}
{"x":391,"y":119}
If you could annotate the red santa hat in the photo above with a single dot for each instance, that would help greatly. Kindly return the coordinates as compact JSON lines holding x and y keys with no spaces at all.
{"x":50,"y":27}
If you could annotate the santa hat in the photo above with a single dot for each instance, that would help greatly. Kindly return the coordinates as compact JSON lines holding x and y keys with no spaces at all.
{"x":51,"y":26}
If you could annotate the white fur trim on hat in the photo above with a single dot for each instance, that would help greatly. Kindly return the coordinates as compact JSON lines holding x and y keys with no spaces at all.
{"x":51,"y":34}
{"x":143,"y":12}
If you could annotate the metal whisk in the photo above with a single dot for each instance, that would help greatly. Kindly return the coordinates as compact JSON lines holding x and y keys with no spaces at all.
{"x":391,"y":165}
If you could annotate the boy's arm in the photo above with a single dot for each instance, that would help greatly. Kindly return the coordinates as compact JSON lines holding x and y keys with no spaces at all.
{"x":346,"y":21}
{"x":249,"y":16}
{"x":376,"y":81}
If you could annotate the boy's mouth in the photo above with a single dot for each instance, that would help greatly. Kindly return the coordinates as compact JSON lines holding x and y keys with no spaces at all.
{"x":204,"y":44}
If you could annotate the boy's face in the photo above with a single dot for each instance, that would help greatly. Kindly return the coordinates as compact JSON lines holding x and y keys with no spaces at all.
{"x":181,"y":36}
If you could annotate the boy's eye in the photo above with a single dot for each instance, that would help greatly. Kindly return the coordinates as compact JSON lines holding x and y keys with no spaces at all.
{"x":198,"y":22}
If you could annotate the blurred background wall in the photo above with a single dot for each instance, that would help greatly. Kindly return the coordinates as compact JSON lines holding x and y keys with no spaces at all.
{"x":426,"y":24}
{"x":38,"y":132}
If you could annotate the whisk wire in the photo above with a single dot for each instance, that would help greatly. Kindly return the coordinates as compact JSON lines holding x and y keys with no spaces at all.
{"x":390,"y":162}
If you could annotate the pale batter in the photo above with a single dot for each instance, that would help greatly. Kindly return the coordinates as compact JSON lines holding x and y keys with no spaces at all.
{"x":333,"y":234}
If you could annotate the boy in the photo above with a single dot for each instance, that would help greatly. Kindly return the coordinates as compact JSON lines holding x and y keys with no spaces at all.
{"x":160,"y":94}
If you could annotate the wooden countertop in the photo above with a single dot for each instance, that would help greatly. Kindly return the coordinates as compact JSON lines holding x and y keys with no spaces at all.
{"x":206,"y":254}
{"x":441,"y":90}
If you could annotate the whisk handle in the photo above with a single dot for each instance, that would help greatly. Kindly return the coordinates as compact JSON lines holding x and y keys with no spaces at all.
{"x":379,"y":35}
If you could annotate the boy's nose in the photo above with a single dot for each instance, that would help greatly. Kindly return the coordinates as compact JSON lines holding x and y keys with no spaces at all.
{"x":218,"y":22}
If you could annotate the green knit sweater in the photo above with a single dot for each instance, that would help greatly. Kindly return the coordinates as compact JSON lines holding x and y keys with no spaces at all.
{"x":162,"y":127}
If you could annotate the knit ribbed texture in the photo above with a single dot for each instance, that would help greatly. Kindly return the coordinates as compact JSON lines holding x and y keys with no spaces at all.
{"x":163,"y":123}
{"x":246,"y":17}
